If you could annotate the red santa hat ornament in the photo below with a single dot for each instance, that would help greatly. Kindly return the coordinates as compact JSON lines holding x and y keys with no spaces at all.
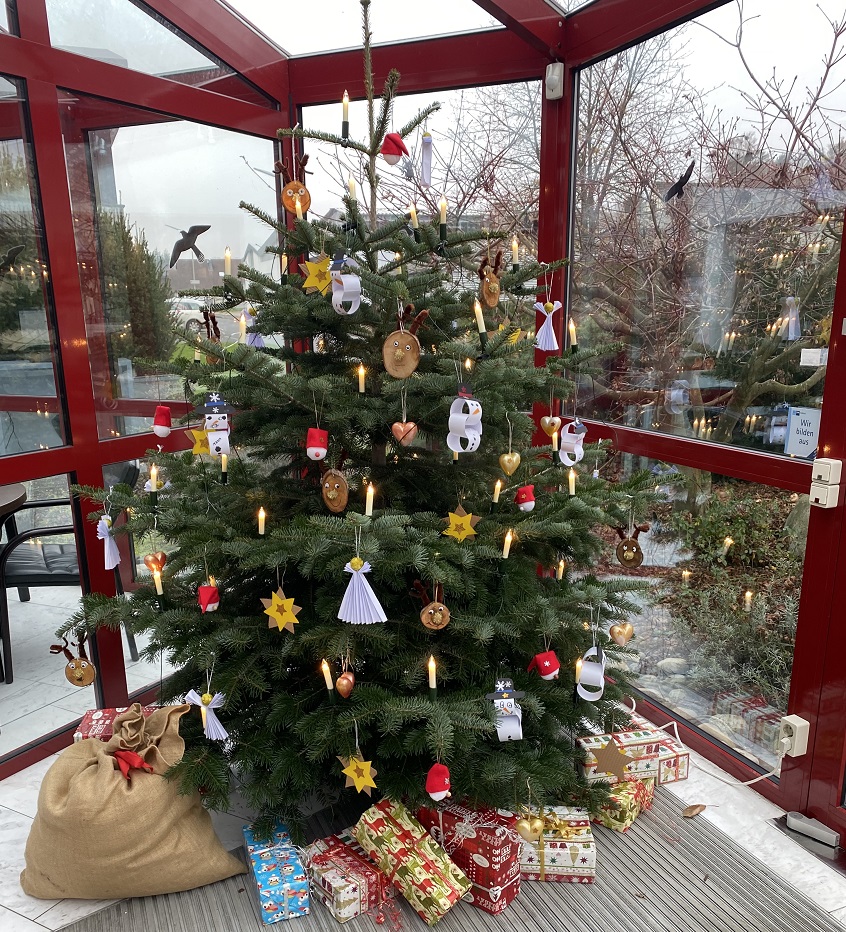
{"x":209,"y":598}
{"x":161,"y":421}
{"x":525,"y":498}
{"x":437,"y":782}
{"x":393,"y":148}
{"x":317,"y":443}
{"x":547,"y":665}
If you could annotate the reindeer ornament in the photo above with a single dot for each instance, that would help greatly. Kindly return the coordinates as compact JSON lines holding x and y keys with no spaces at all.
{"x":628,"y":551}
{"x":401,"y":349}
{"x":489,"y":277}
{"x":434,"y":615}
{"x":79,"y":671}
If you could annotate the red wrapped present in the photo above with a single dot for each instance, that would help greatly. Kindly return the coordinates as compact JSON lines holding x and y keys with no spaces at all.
{"x":485,"y":845}
{"x":673,"y":756}
{"x":346,"y":882}
{"x":627,"y":801}
{"x":97,"y":723}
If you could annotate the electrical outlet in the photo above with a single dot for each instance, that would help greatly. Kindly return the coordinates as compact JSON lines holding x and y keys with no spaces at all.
{"x":796,"y":730}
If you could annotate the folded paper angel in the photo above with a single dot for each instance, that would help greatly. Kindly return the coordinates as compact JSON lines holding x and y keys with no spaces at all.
{"x":546,"y":339}
{"x":360,"y":605}
{"x":104,"y":532}
{"x":208,"y":703}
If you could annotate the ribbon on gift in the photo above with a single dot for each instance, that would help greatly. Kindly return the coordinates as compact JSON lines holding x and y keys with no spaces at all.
{"x":553,"y":823}
{"x":473,"y":820}
{"x":389,"y":907}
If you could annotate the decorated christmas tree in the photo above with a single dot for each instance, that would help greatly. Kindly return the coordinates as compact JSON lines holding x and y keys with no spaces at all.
{"x":384,"y":574}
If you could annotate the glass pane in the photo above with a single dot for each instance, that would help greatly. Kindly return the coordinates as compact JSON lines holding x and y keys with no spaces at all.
{"x":716,"y":634}
{"x":31,"y":417}
{"x":7,"y":23}
{"x":340,"y":22}
{"x":40,"y":699}
{"x":141,"y":672}
{"x":130,"y":34}
{"x":137,"y":181}
{"x":707,"y":235}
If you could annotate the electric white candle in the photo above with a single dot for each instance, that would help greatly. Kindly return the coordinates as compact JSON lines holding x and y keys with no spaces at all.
{"x":559,"y":573}
{"x":224,"y":463}
{"x":361,"y":371}
{"x":442,"y":206}
{"x":686,"y":577}
{"x":480,"y":320}
{"x":732,"y":338}
{"x":497,"y":490}
{"x":298,"y":207}
{"x":154,"y":478}
{"x":242,"y":328}
{"x":345,"y":107}
{"x":196,"y":354}
{"x":571,"y":328}
{"x":722,"y":346}
{"x":571,"y":480}
{"x":555,"y":441}
{"x":327,"y":675}
{"x":433,"y":673}
{"x":227,"y":261}
{"x":455,"y":456}
{"x":157,"y":579}
{"x":283,"y":263}
{"x":727,"y":543}
{"x":747,"y":601}
{"x":579,"y":669}
{"x":412,"y":212}
{"x":696,"y":427}
{"x":368,"y":507}
{"x":784,"y":325}
{"x":506,"y":547}
{"x":262,"y":516}
{"x":515,"y":252}
{"x":351,"y":186}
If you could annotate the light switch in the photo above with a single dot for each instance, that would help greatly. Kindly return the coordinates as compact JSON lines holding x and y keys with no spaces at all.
{"x":826,"y":471}
{"x":824,"y":496}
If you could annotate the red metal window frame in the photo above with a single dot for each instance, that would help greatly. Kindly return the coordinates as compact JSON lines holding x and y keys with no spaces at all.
{"x":535,"y":36}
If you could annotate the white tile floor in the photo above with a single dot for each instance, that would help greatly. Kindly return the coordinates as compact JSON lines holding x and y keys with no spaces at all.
{"x":40,"y":699}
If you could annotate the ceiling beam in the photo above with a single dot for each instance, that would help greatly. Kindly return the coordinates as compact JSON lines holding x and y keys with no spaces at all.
{"x":534,"y":21}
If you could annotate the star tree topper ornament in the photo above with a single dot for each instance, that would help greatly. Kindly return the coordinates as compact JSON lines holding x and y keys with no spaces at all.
{"x":281,"y":611}
{"x":461,"y":525}
{"x":359,"y":773}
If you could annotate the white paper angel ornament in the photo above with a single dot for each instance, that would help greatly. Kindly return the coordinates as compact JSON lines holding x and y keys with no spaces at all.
{"x":546,"y":339}
{"x":104,"y":532}
{"x":359,"y":605}
{"x":208,"y":703}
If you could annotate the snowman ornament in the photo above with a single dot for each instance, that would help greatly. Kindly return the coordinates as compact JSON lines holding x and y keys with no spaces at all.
{"x":216,"y":416}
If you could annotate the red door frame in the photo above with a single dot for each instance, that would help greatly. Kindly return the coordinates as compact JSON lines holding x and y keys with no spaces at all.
{"x":595,"y":31}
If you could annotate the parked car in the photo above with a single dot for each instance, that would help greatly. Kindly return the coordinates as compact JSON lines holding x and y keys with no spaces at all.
{"x":188,"y":313}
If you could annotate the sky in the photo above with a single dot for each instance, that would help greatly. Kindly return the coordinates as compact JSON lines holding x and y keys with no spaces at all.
{"x":180,"y":173}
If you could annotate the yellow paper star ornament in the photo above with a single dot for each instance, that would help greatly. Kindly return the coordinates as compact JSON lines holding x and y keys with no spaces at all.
{"x":461,"y":525}
{"x":282,"y":611}
{"x":610,"y":759}
{"x":359,"y":773}
{"x":317,"y":277}
{"x":200,"y":439}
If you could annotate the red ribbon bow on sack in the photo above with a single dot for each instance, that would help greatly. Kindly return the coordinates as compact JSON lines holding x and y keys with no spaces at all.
{"x":129,"y":760}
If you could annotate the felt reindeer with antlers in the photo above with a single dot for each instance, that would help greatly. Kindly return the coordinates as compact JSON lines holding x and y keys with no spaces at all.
{"x":401,"y":349}
{"x":489,"y":277}
{"x":435,"y":615}
{"x":79,"y":671}
{"x":294,"y":189}
{"x":628,"y":551}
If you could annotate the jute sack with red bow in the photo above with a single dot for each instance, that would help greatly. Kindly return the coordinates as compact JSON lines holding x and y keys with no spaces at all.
{"x":110,"y":825}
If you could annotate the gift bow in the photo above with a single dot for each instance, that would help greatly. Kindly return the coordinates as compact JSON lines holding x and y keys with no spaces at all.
{"x":554,"y":823}
{"x":129,"y":760}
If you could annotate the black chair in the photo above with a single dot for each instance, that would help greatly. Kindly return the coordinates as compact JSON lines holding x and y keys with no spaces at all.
{"x":27,"y":567}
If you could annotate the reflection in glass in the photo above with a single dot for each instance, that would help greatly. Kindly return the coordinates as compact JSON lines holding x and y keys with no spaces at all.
{"x":130,"y":34}
{"x":716,"y":635}
{"x":139,"y":183}
{"x":708,"y":223}
{"x":30,"y":415}
{"x":5,"y":24}
{"x":340,"y":23}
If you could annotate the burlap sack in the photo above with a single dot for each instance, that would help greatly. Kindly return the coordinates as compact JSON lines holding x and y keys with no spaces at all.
{"x":100,"y":836}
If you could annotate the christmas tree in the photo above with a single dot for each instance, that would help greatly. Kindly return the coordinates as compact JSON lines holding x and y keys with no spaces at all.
{"x":335,"y":633}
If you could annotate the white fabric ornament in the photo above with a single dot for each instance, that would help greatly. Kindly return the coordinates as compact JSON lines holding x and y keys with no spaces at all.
{"x":208,"y":703}
{"x":346,"y":288}
{"x":465,"y":425}
{"x":426,"y":161}
{"x":360,"y":605}
{"x":546,"y":339}
{"x":104,"y":532}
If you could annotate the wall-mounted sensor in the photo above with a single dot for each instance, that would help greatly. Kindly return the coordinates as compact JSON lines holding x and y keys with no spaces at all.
{"x":554,"y":83}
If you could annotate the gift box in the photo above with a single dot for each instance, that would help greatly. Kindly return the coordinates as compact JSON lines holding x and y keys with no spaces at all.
{"x":98,"y":723}
{"x":343,"y":879}
{"x":627,"y":801}
{"x":642,"y":745}
{"x":417,"y":866}
{"x":280,"y":877}
{"x":565,"y":852}
{"x":673,"y":756}
{"x":765,"y":726}
{"x":485,"y":845}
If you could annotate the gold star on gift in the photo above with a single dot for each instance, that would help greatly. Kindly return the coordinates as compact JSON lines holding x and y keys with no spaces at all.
{"x":317,"y":277}
{"x":200,"y":439}
{"x":283,"y":613}
{"x":461,"y":525}
{"x":609,"y":759}
{"x":359,"y":773}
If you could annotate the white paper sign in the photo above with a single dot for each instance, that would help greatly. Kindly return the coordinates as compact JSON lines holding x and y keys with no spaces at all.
{"x":814,"y":357}
{"x":803,"y":428}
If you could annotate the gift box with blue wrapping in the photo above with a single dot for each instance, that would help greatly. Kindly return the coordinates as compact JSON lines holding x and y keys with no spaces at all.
{"x":280,"y":877}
